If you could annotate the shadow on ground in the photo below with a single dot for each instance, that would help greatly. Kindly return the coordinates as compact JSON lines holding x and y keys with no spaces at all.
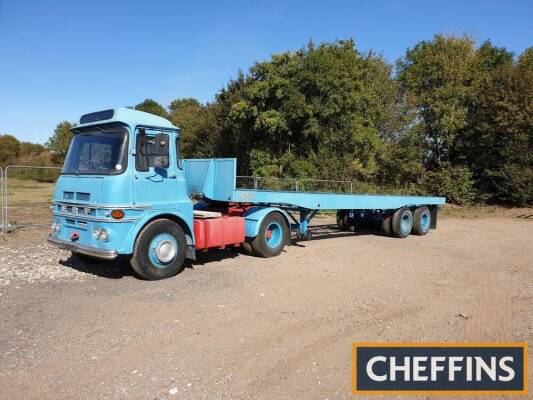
{"x":121,"y":268}
{"x":116,"y":269}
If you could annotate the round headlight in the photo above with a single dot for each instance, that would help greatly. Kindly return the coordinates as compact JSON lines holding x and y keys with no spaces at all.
{"x":96,"y":233}
{"x":55,"y":227}
{"x":104,"y":235}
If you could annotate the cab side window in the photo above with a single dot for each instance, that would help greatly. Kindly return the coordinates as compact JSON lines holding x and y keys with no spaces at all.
{"x":151,"y":150}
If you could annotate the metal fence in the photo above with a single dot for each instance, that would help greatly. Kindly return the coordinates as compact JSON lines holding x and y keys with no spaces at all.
{"x":295,"y":185}
{"x":1,"y":199}
{"x":26,"y":192}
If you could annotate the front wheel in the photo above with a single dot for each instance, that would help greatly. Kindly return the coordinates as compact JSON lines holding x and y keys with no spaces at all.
{"x":160,"y":250}
{"x":272,"y":236}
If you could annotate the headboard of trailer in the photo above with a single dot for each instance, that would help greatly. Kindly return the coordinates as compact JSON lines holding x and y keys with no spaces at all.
{"x":213,"y":178}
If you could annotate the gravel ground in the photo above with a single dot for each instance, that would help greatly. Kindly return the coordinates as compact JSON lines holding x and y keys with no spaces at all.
{"x":237,"y":327}
{"x":36,"y":263}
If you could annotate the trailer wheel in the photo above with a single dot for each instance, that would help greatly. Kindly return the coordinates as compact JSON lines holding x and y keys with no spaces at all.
{"x":386,"y":225}
{"x":272,"y":236}
{"x":402,"y":222}
{"x":159,"y":251}
{"x":421,"y":221}
{"x":342,"y":220}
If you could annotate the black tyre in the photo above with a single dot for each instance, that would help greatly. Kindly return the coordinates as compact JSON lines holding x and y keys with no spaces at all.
{"x":386,"y":225}
{"x":272,"y":236}
{"x":402,"y":222}
{"x":342,"y":220}
{"x":246,"y":248}
{"x":160,"y":250}
{"x":421,"y":221}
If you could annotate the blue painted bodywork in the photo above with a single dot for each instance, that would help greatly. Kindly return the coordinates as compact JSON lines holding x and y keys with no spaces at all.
{"x":143,"y":196}
{"x":255,"y":215}
{"x":167,"y":193}
{"x":206,"y":179}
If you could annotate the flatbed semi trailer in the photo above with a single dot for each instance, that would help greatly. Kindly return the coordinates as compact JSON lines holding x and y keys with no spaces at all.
{"x":125,"y":191}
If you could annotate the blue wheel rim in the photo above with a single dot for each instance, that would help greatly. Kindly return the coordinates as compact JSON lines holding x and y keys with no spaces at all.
{"x":406,"y":223}
{"x":162,"y":250}
{"x":425,"y":220}
{"x":273,"y":235}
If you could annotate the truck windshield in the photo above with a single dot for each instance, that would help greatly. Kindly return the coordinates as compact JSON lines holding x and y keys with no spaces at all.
{"x":97,"y":153}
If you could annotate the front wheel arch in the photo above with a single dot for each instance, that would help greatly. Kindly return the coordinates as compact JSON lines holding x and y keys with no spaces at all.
{"x":173,"y":217}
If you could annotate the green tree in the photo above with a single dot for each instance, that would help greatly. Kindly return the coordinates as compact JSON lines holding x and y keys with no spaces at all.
{"x":324,"y":107}
{"x":9,"y":150}
{"x":197,"y":123}
{"x":31,"y":149}
{"x":152,"y":107}
{"x":436,"y":76}
{"x":59,"y":143}
{"x":497,"y":142}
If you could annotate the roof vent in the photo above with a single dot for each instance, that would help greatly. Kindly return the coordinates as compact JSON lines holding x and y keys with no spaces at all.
{"x":97,"y":116}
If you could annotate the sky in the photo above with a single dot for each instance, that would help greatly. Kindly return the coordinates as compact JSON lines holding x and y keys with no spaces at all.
{"x":61,"y":59}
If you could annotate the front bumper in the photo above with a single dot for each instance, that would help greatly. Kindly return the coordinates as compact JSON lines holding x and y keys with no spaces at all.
{"x":79,"y":248}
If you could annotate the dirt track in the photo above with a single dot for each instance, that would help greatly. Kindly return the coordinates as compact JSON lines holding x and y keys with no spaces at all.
{"x":233,"y":326}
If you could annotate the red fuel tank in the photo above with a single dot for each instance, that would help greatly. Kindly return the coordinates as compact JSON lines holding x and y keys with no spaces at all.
{"x":218,"y":232}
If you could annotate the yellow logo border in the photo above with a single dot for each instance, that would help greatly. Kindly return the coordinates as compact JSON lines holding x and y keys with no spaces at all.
{"x":437,"y":392}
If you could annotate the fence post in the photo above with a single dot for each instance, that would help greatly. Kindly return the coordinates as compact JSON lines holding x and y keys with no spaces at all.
{"x":351,"y":187}
{"x":1,"y":199}
{"x":6,"y":219}
{"x":255,"y":183}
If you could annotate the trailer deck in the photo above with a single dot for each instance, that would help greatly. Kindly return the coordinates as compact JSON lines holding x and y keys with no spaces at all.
{"x":215,"y":179}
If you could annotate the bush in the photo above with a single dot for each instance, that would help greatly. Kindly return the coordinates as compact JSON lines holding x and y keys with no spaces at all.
{"x":455,"y":183}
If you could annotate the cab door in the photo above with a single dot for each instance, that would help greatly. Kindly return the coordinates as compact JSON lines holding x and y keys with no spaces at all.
{"x":154,"y":180}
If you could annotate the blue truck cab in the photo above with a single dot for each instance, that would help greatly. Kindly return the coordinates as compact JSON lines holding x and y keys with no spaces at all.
{"x":124,"y":190}
{"x":121,"y":172}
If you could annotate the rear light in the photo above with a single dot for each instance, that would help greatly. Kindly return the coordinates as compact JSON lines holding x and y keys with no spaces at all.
{"x":117,"y":214}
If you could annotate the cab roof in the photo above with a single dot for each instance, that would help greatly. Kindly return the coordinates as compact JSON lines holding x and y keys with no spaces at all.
{"x":125,"y":115}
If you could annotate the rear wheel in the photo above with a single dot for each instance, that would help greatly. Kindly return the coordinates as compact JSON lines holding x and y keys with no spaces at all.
{"x":160,"y":250}
{"x":402,"y":222}
{"x":342,"y":220}
{"x":272,"y":236}
{"x":386,"y":225}
{"x":246,"y":248}
{"x":421,"y":220}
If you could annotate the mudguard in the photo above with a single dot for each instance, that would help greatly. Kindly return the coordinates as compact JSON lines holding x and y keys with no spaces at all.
{"x":255,"y":215}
